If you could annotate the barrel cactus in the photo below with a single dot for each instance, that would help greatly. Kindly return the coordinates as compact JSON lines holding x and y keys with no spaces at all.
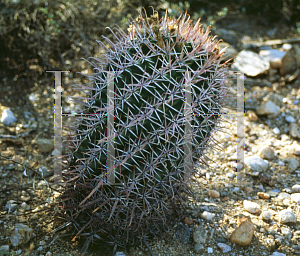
{"x":149,"y":67}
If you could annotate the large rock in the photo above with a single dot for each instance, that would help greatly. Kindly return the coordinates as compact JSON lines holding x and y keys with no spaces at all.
{"x":251,"y":63}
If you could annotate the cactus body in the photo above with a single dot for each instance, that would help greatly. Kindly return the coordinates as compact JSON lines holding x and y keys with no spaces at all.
{"x":149,"y":66}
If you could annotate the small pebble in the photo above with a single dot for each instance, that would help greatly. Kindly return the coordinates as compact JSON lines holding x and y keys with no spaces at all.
{"x":21,"y":234}
{"x":290,"y":119}
{"x":286,"y":232}
{"x":11,"y":206}
{"x":225,"y":198}
{"x":277,"y":254}
{"x":224,"y":247}
{"x":295,"y":130}
{"x":296,"y":198}
{"x":198,"y":248}
{"x":207,"y":215}
{"x":249,"y":190}
{"x":187,"y":220}
{"x":8,"y":117}
{"x":44,"y":145}
{"x":266,"y":215}
{"x":263,"y":195}
{"x":214,"y":194}
{"x":230,"y":175}
{"x":288,"y":190}
{"x":283,"y":195}
{"x":4,"y":248}
{"x":293,"y":164}
{"x":200,"y":235}
{"x":251,"y":206}
{"x":287,"y":216}
{"x":286,"y":46}
{"x":120,"y":254}
{"x":236,"y":190}
{"x":269,"y":108}
{"x":256,"y":164}
{"x":267,"y":153}
{"x":296,"y":188}
{"x":252,"y":116}
{"x":25,"y":206}
{"x":276,"y":130}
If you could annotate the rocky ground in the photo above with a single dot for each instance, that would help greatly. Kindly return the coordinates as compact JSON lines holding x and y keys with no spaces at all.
{"x":262,"y":200}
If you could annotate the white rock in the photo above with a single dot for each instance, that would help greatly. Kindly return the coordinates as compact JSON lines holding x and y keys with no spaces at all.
{"x":287,"y":216}
{"x":224,"y":247}
{"x":251,"y":206}
{"x":269,"y":108}
{"x":280,"y":163}
{"x":296,"y":198}
{"x":290,"y":119}
{"x":209,"y":250}
{"x":267,"y":153}
{"x":266,"y":215}
{"x":293,"y":164}
{"x":8,"y":117}
{"x":256,"y":164}
{"x":286,"y":46}
{"x":207,"y":215}
{"x":120,"y":254}
{"x":296,"y":188}
{"x":250,"y":63}
{"x":276,"y":130}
